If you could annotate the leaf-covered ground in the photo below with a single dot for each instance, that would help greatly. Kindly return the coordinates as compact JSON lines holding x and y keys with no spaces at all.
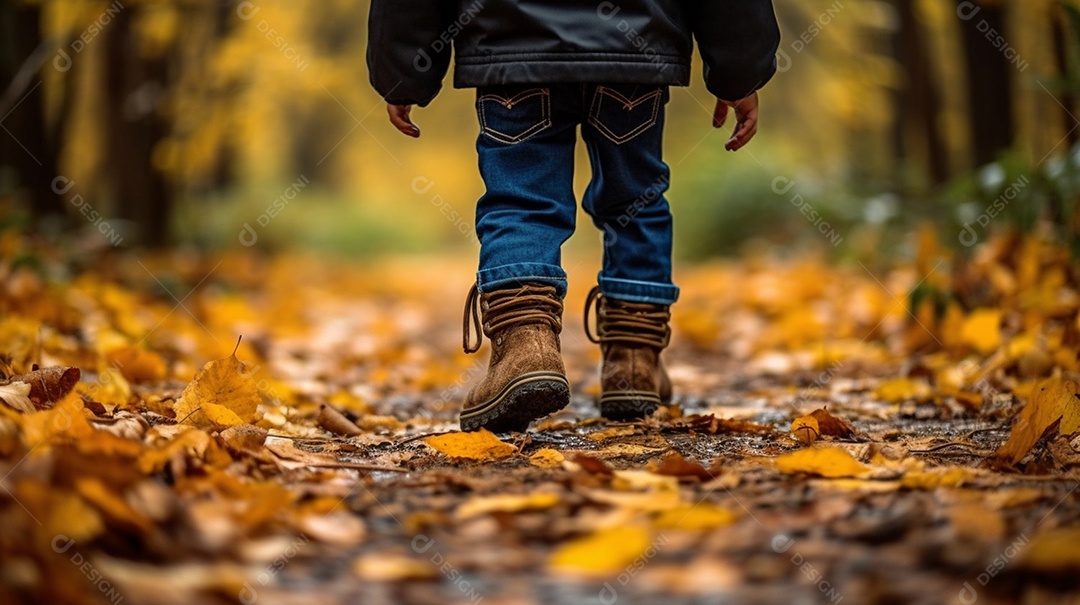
{"x":842,"y":433}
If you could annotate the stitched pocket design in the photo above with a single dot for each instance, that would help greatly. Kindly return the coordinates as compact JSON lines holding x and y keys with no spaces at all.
{"x":514,"y":119}
{"x":620,"y":117}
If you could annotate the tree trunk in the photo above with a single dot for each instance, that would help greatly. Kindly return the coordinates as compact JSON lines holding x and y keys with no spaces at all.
{"x":989,"y":79}
{"x":134,"y":88}
{"x":919,"y":101}
{"x":28,"y":147}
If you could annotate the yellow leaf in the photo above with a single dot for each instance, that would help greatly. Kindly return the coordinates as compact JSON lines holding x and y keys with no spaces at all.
{"x":606,"y":552}
{"x":1070,"y":420}
{"x":506,"y":503}
{"x":72,"y":517}
{"x":1053,"y":550}
{"x":63,"y":423}
{"x":618,"y":431}
{"x":902,"y":389}
{"x":191,"y":442}
{"x":547,"y":458}
{"x":1048,"y":403}
{"x":481,"y":445}
{"x":981,"y":330}
{"x":695,"y":518}
{"x":949,"y":477}
{"x":830,"y":462}
{"x":805,"y":429}
{"x":137,"y":364}
{"x":110,"y":389}
{"x":223,"y":394}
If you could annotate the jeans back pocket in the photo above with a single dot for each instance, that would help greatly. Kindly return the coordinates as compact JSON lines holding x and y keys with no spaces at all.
{"x":620,"y":114}
{"x":510,"y":116}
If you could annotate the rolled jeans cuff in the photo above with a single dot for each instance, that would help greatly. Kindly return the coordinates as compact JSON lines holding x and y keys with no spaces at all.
{"x":639,"y":291}
{"x":519,"y":274}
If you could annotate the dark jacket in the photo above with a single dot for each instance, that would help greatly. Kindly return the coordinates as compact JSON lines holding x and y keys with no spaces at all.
{"x":550,"y":41}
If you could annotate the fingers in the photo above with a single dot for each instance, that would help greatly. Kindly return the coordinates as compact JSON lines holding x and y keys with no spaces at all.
{"x":720,"y":114}
{"x":746,"y":112}
{"x":399,"y":117}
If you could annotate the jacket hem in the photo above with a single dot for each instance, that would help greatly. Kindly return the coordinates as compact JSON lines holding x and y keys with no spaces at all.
{"x":473,"y":73}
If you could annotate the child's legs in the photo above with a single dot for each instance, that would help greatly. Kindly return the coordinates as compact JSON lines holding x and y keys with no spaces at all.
{"x":526,"y":151}
{"x":624,"y":135}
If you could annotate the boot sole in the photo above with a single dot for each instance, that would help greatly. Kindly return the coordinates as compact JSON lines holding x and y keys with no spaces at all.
{"x":628,"y":405}
{"x":528,"y":397}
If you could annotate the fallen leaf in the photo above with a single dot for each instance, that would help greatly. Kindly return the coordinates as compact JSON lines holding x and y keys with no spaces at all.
{"x":949,"y":477}
{"x":17,"y":396}
{"x":824,"y":461}
{"x":372,"y":422}
{"x":479,"y":445}
{"x":711,"y":425}
{"x":634,"y":480}
{"x":223,"y":394}
{"x":1052,"y":550}
{"x":188,"y":442}
{"x":390,"y":568}
{"x":650,"y":501}
{"x":294,"y":457}
{"x":618,"y":431}
{"x":340,"y":528}
{"x":336,"y":422}
{"x":981,"y":330}
{"x":505,"y":503}
{"x":604,"y":553}
{"x":673,"y":464}
{"x":590,"y":464}
{"x":547,"y":458}
{"x":701,"y":517}
{"x":137,"y":364}
{"x":46,"y":387}
{"x":806,"y":429}
{"x":820,"y":423}
{"x":243,"y":438}
{"x":898,"y":390}
{"x":1070,"y":420}
{"x":1046,"y":406}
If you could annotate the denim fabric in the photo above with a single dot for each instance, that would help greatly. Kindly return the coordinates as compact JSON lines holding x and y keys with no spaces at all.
{"x":526,"y":149}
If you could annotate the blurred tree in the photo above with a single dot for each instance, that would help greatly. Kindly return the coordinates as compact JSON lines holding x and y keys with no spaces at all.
{"x":29,"y":147}
{"x":918,"y":100}
{"x":135,"y":86}
{"x":989,"y":81}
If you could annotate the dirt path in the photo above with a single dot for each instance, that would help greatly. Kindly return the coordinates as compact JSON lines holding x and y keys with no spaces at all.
{"x":715,"y":500}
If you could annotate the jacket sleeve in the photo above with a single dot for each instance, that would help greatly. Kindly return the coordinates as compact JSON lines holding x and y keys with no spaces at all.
{"x":737,"y":40}
{"x":408,"y":51}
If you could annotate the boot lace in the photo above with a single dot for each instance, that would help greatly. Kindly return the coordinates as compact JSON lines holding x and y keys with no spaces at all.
{"x":501,"y":309}
{"x":629,"y":323}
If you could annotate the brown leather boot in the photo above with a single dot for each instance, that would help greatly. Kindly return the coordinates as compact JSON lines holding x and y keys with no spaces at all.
{"x":526,"y":378}
{"x":633,"y":381}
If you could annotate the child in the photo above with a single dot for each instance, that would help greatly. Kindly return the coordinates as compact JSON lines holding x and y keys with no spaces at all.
{"x":542,"y":69}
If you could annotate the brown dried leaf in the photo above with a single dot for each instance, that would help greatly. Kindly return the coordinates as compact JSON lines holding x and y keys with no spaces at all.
{"x":820,"y":423}
{"x":336,"y":422}
{"x":46,"y":387}
{"x":674,"y":465}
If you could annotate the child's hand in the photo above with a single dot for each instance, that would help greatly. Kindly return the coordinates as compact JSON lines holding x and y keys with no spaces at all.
{"x":746,"y":112}
{"x":399,"y":117}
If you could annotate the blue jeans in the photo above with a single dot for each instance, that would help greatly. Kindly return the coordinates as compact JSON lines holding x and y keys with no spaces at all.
{"x":526,"y":149}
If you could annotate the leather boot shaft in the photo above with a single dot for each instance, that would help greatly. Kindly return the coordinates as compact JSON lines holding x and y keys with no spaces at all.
{"x":526,"y":378}
{"x":633,"y":380}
